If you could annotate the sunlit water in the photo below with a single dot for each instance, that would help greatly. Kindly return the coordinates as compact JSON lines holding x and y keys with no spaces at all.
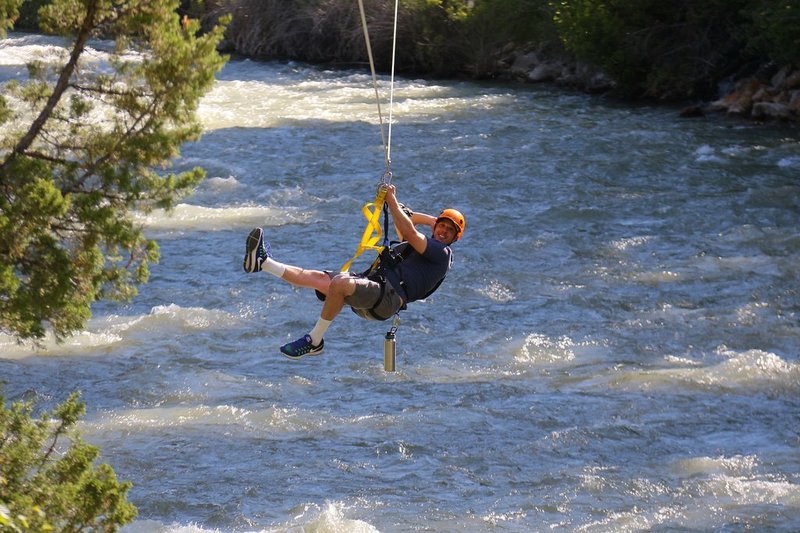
{"x":616,"y":348}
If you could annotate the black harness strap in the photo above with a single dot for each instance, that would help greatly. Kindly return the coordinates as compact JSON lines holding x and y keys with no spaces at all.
{"x":380,"y":280}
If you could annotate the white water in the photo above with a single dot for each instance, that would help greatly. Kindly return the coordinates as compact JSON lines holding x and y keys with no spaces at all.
{"x":616,"y":348}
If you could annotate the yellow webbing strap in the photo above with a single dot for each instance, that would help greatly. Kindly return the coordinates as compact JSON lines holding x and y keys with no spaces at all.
{"x":373,"y":232}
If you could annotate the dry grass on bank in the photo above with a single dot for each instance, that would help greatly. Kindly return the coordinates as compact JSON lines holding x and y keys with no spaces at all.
{"x":321,"y":31}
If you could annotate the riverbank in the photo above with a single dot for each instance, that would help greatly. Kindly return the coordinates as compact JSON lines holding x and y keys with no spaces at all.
{"x":773,"y":96}
{"x":739,"y":58}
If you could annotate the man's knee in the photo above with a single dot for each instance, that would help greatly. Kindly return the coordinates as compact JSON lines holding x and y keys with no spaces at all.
{"x":342,"y":284}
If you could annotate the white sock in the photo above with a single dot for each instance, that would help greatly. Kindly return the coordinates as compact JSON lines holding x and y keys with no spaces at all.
{"x":273,"y":267}
{"x":319,"y":330}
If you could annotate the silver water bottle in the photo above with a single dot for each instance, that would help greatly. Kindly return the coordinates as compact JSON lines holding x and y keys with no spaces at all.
{"x":390,"y":345}
{"x":389,"y":351}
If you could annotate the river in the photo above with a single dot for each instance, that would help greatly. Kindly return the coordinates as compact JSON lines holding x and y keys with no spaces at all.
{"x":617,"y":346}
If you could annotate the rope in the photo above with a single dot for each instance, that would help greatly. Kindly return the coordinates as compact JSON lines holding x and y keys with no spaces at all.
{"x":391,"y":84}
{"x":372,"y":211}
{"x":387,"y":144}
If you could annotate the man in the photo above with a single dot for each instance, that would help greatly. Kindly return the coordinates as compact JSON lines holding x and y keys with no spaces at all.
{"x":411,"y":272}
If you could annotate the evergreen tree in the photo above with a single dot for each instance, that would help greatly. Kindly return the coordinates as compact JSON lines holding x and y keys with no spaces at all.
{"x":82,"y":147}
{"x":48,"y":480}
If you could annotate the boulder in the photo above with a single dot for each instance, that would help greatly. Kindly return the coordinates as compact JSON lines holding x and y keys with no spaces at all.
{"x":524,"y":63}
{"x":740,"y":101}
{"x":599,"y":83}
{"x":780,"y":77}
{"x":770,"y":111}
{"x":694,"y":111}
{"x":544,"y":72}
{"x":792,"y":81}
{"x":794,"y":101}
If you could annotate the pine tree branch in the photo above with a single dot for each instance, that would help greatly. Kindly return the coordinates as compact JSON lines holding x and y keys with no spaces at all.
{"x":60,"y":87}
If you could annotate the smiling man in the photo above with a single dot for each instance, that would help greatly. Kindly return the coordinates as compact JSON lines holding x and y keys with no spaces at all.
{"x":409,"y":271}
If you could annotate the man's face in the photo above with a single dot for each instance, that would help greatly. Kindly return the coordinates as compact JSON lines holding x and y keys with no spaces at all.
{"x":445,"y":231}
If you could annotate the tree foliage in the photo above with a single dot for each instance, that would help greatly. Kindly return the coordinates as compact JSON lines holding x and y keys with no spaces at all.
{"x":776,"y":30}
{"x":48,"y":477}
{"x":654,"y":48}
{"x":82,"y":147}
{"x":679,"y":49}
{"x":491,"y":26}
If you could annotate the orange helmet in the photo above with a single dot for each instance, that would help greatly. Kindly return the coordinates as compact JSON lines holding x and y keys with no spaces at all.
{"x":456,"y":218}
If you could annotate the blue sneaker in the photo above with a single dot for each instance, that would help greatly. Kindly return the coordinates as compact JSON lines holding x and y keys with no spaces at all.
{"x":256,"y":250}
{"x":302,"y":346}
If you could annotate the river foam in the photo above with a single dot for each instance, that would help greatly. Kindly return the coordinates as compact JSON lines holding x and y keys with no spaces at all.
{"x":331,"y":517}
{"x":187,"y":217}
{"x":104,"y":333}
{"x":750,"y":371}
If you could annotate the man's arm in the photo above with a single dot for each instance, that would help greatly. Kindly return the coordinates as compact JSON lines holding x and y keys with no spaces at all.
{"x":406,"y":227}
{"x":422,"y":218}
{"x":416,"y":219}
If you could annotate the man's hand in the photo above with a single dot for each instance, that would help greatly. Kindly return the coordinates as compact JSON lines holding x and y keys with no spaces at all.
{"x":391,"y":195}
{"x":403,"y":222}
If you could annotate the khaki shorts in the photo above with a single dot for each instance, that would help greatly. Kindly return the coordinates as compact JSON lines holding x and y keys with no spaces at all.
{"x":368,"y":302}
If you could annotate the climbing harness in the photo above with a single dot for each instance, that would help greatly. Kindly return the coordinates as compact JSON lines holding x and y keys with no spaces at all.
{"x":373,"y":234}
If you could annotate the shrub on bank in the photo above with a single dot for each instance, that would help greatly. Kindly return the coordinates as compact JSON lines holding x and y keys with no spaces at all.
{"x":48,"y":479}
{"x":684,"y":48}
{"x":656,"y":49}
{"x":776,"y":30}
{"x":435,"y":37}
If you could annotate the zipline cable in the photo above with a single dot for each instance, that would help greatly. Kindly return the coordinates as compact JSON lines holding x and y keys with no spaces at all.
{"x":391,"y":82}
{"x":386,"y":144}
